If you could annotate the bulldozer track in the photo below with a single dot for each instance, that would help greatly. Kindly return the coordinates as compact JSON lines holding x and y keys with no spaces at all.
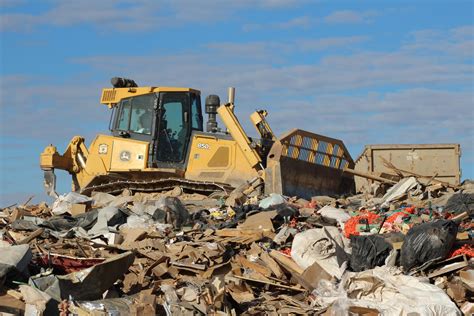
{"x":117,"y":187}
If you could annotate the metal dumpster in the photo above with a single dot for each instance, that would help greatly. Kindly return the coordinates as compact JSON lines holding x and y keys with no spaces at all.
{"x":439,"y":160}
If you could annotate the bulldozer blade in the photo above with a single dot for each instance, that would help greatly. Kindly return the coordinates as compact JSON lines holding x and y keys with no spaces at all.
{"x":305,"y":164}
{"x":50,"y":183}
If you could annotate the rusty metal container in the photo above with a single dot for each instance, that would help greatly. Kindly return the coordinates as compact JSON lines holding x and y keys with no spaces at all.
{"x":441,"y":161}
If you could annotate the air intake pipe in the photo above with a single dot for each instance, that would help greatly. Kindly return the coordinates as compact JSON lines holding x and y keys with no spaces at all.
{"x":212,"y":103}
{"x":118,"y":82}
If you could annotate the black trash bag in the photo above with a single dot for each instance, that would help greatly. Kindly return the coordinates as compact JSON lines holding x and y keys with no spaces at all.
{"x":66,"y":222}
{"x":428,"y":241}
{"x":368,"y":252}
{"x":284,"y":215}
{"x":461,"y":202}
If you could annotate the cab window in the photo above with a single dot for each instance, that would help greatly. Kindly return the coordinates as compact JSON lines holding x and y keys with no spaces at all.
{"x":124,"y":116}
{"x":196,"y":112}
{"x":136,"y":114}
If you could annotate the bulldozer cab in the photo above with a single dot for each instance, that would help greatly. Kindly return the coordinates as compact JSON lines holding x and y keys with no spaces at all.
{"x":165,"y":120}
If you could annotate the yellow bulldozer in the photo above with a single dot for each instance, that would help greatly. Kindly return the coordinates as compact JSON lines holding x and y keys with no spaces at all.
{"x":159,"y":141}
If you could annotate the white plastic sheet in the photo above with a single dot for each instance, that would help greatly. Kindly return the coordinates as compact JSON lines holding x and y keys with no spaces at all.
{"x":399,"y":190}
{"x":388,"y":291}
{"x":64,"y":202}
{"x":337,"y":214}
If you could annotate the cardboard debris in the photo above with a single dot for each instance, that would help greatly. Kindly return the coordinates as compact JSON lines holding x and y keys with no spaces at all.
{"x":180,"y":253}
{"x":77,"y":209}
{"x":260,"y":221}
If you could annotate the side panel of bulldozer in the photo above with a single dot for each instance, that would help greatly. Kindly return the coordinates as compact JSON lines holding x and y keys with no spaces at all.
{"x":305,"y":164}
{"x":108,"y":154}
{"x":217,"y":158}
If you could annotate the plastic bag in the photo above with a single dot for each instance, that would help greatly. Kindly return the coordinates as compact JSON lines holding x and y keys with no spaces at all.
{"x":322,"y":245}
{"x":170,"y":210}
{"x":273,"y":199}
{"x":335,"y":214}
{"x":428,"y":241}
{"x":368,"y":252}
{"x":64,"y":203}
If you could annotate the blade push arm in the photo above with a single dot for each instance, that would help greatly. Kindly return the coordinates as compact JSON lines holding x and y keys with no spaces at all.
{"x":73,"y":159}
{"x":236,"y":130}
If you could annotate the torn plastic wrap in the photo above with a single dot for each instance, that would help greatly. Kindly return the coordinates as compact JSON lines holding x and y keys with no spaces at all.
{"x":111,"y":306}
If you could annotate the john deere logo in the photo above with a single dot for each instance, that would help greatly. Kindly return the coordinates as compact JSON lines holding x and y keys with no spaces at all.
{"x":125,"y":155}
{"x":102,"y":149}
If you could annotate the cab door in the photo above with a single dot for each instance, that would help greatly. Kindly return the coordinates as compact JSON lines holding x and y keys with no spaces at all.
{"x":174,"y":129}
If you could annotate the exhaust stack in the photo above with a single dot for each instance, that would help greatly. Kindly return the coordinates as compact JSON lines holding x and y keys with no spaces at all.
{"x":231,"y":94}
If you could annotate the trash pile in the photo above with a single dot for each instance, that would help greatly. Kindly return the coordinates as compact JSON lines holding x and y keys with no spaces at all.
{"x":403,"y":250}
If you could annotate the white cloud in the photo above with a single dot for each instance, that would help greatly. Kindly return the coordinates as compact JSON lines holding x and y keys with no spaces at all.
{"x":11,"y":3}
{"x":349,"y":16}
{"x":288,"y":86}
{"x":404,"y":116}
{"x":258,"y":68}
{"x":41,"y":109}
{"x":134,"y":15}
{"x":277,"y":51}
{"x":299,"y":22}
{"x":454,"y":43}
{"x":279,"y":3}
{"x":330,"y":42}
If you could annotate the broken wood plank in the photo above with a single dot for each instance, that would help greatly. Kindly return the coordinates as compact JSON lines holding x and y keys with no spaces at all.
{"x":286,"y":262}
{"x":193,"y":266}
{"x":449,"y":267}
{"x":254,"y":266}
{"x":30,"y":237}
{"x":368,"y":176}
{"x":272,"y":264}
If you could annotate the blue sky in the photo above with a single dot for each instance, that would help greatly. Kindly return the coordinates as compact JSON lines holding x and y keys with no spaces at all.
{"x":366,"y":72}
